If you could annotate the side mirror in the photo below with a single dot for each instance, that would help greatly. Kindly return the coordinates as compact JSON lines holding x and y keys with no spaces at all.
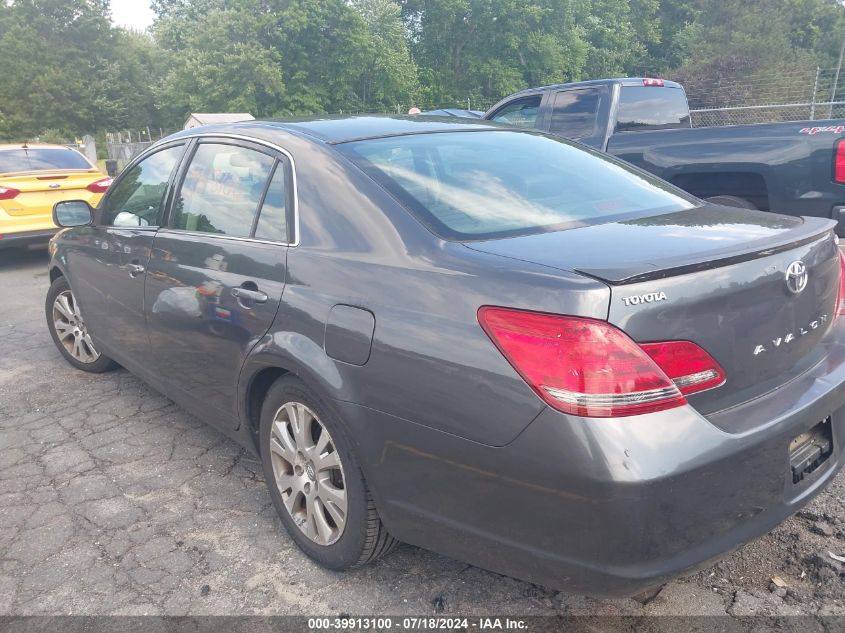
{"x":67,"y":213}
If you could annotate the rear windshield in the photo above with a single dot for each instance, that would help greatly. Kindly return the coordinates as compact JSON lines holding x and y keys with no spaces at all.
{"x":480,"y":185}
{"x":651,"y":108}
{"x":39,"y":158}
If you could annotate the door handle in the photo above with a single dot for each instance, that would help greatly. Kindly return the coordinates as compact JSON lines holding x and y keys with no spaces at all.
{"x":135,"y":269}
{"x":256,"y":296}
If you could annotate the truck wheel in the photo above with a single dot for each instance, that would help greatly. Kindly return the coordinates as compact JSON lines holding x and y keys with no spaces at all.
{"x":315,"y":481}
{"x":732,"y":201}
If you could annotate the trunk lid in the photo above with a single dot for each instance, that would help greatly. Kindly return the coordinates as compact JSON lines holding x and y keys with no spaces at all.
{"x":40,"y":190}
{"x":713,"y":276}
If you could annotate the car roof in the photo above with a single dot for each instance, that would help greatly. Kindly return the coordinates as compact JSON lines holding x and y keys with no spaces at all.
{"x":622,"y":81}
{"x":333,"y":130}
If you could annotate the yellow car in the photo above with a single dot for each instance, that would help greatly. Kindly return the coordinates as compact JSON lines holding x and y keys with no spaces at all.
{"x":32,"y":179}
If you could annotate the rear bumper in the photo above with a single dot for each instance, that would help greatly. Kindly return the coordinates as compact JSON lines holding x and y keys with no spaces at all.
{"x":603,"y":507}
{"x":26,"y":238}
{"x":24,"y":226}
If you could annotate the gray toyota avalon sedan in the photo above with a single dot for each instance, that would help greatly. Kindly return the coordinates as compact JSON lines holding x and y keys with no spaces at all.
{"x":480,"y":340}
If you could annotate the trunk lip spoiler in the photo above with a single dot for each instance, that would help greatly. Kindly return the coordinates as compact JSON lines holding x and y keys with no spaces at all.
{"x":819,"y":230}
{"x":46,"y":172}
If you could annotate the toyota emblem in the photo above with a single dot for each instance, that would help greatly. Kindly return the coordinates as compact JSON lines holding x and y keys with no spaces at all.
{"x":796,"y":277}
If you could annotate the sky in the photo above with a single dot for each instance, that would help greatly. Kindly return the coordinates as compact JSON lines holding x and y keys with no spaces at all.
{"x":132,"y":14}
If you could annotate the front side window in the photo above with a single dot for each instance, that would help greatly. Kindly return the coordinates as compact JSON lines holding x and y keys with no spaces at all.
{"x":575,"y":113}
{"x":222,"y":189}
{"x":137,"y":198}
{"x":488,"y":184}
{"x":520,"y":113}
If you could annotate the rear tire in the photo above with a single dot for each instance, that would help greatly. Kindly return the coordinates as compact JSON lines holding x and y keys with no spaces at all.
{"x":64,"y":320}
{"x":732,"y":201}
{"x":315,"y":481}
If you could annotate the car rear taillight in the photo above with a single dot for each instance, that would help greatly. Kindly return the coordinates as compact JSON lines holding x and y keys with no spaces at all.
{"x":839,"y":161}
{"x":100,"y":186}
{"x":690,"y":367}
{"x":840,"y":298}
{"x":580,"y":366}
{"x":7,"y":193}
{"x":651,"y":81}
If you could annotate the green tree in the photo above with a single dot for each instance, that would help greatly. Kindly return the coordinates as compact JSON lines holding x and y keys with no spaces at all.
{"x":324,"y":49}
{"x":730,"y":41}
{"x":55,"y":54}
{"x":389,"y":75}
{"x":617,"y":32}
{"x":70,"y":71}
{"x":268,"y":57}
{"x":664,"y":51}
{"x":485,"y":48}
{"x":132,"y":76}
{"x":217,"y":64}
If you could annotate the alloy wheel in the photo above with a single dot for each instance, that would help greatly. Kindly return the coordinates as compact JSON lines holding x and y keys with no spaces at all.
{"x":308,"y":473}
{"x":70,"y":329}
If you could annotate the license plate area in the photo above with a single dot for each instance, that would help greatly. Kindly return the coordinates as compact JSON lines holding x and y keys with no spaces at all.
{"x":810,"y":450}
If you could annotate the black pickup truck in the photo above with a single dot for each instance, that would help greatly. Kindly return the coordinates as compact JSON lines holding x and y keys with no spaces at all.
{"x":797,"y":168}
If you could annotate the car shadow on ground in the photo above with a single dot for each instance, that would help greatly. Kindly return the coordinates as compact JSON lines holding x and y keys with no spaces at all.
{"x":20,"y":258}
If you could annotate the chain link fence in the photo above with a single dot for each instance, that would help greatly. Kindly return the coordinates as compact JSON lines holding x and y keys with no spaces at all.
{"x":125,"y":145}
{"x":742,"y":115}
{"x":795,"y":94}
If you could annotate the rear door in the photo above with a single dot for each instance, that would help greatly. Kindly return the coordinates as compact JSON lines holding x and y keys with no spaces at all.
{"x":217,"y":271}
{"x":576,"y":113}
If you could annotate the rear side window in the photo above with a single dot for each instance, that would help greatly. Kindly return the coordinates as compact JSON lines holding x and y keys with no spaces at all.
{"x":272,"y":220}
{"x":41,"y":158}
{"x":137,"y":197}
{"x":479,"y":185}
{"x":575,"y":113}
{"x":222,"y":189}
{"x":520,"y":113}
{"x":651,"y":108}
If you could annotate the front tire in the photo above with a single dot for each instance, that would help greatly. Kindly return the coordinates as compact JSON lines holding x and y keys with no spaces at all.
{"x":315,"y":481}
{"x":64,"y":320}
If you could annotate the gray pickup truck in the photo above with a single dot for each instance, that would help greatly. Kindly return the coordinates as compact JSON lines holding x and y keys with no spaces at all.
{"x":797,"y":168}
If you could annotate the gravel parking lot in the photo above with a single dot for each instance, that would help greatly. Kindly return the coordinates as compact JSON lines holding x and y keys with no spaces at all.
{"x":115,"y":501}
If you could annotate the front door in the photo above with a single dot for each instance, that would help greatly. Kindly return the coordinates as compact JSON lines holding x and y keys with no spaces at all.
{"x":110,"y":272}
{"x":521,"y":112}
{"x":217,"y":271}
